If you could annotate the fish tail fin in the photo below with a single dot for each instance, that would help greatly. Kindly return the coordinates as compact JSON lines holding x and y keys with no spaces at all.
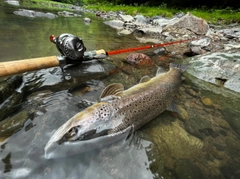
{"x":182,"y":67}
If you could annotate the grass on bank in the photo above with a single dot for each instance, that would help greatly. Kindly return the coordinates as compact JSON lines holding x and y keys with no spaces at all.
{"x":215,"y":16}
{"x":45,"y":4}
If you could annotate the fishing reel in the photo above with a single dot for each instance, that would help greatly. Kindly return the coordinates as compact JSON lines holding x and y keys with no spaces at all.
{"x":73,"y":50}
{"x":69,"y":46}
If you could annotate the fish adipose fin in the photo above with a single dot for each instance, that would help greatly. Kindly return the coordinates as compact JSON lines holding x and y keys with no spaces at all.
{"x":115,"y":89}
{"x":145,"y":79}
{"x":182,"y":67}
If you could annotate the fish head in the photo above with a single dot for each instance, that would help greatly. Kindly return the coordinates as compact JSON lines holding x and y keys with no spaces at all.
{"x":86,"y":130}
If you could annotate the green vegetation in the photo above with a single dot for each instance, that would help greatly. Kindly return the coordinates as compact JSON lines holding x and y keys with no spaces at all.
{"x":45,"y":4}
{"x":211,"y":15}
{"x":215,"y":16}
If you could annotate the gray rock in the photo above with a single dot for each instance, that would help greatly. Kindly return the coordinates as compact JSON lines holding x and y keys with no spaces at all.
{"x":87,"y":20}
{"x":68,"y":14}
{"x":140,"y":20}
{"x":190,"y":22}
{"x":33,"y":14}
{"x":179,"y":15}
{"x":117,"y":24}
{"x":197,"y":50}
{"x":164,"y":22}
{"x":231,"y":33}
{"x":148,"y":34}
{"x":126,"y":18}
{"x":222,"y":69}
{"x":13,"y":2}
{"x":202,"y":42}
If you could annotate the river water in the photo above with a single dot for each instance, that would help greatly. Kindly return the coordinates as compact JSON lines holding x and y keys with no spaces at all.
{"x":201,"y":142}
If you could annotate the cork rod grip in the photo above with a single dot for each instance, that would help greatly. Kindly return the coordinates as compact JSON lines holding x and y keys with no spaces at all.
{"x":20,"y":66}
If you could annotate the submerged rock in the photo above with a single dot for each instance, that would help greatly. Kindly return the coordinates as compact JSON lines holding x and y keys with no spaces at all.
{"x":187,"y":169}
{"x":9,"y":85}
{"x":9,"y":97}
{"x":139,"y":59}
{"x":10,"y":105}
{"x":33,"y":14}
{"x":221,"y":69}
{"x":13,"y":124}
{"x":68,"y":14}
{"x":173,"y":141}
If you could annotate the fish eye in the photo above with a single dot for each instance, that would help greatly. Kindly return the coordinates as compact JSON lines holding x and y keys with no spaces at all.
{"x":72,"y":133}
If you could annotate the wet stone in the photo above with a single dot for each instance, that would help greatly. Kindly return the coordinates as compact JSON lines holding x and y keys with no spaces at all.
{"x":221,"y":69}
{"x":207,"y":101}
{"x":219,"y":147}
{"x":183,"y":114}
{"x":139,"y":59}
{"x":9,"y":85}
{"x":13,"y":124}
{"x":186,"y":169}
{"x":33,"y":14}
{"x":222,"y":132}
{"x":169,"y":174}
{"x":10,"y":105}
{"x":199,"y":127}
{"x":172,"y":140}
{"x":231,"y":170}
{"x":191,"y":92}
{"x":233,"y":120}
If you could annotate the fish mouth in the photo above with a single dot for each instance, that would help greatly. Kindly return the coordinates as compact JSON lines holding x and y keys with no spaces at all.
{"x":54,"y":149}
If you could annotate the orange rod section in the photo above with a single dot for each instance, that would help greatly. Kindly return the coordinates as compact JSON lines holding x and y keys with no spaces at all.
{"x":20,"y":66}
{"x":114,"y":52}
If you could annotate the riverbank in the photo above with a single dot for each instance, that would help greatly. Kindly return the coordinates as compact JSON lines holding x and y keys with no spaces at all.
{"x":214,"y":16}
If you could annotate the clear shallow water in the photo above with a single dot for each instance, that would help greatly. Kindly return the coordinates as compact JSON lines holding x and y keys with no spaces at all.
{"x":23,"y":37}
{"x":205,"y":137}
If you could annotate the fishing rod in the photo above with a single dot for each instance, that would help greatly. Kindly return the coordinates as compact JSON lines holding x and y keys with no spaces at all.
{"x":72,"y":51}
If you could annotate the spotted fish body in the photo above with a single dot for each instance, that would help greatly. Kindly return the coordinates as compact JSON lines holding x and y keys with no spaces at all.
{"x":118,"y":112}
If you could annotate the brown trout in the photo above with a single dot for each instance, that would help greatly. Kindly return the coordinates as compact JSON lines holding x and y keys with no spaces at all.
{"x":118,"y":113}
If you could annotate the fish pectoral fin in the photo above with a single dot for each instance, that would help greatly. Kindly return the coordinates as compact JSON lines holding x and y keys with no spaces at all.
{"x":160,"y":71}
{"x":145,"y":79}
{"x":115,"y":89}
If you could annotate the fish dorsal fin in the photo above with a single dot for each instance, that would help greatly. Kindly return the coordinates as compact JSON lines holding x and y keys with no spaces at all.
{"x":160,"y":71}
{"x":115,"y":89}
{"x":145,"y":79}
